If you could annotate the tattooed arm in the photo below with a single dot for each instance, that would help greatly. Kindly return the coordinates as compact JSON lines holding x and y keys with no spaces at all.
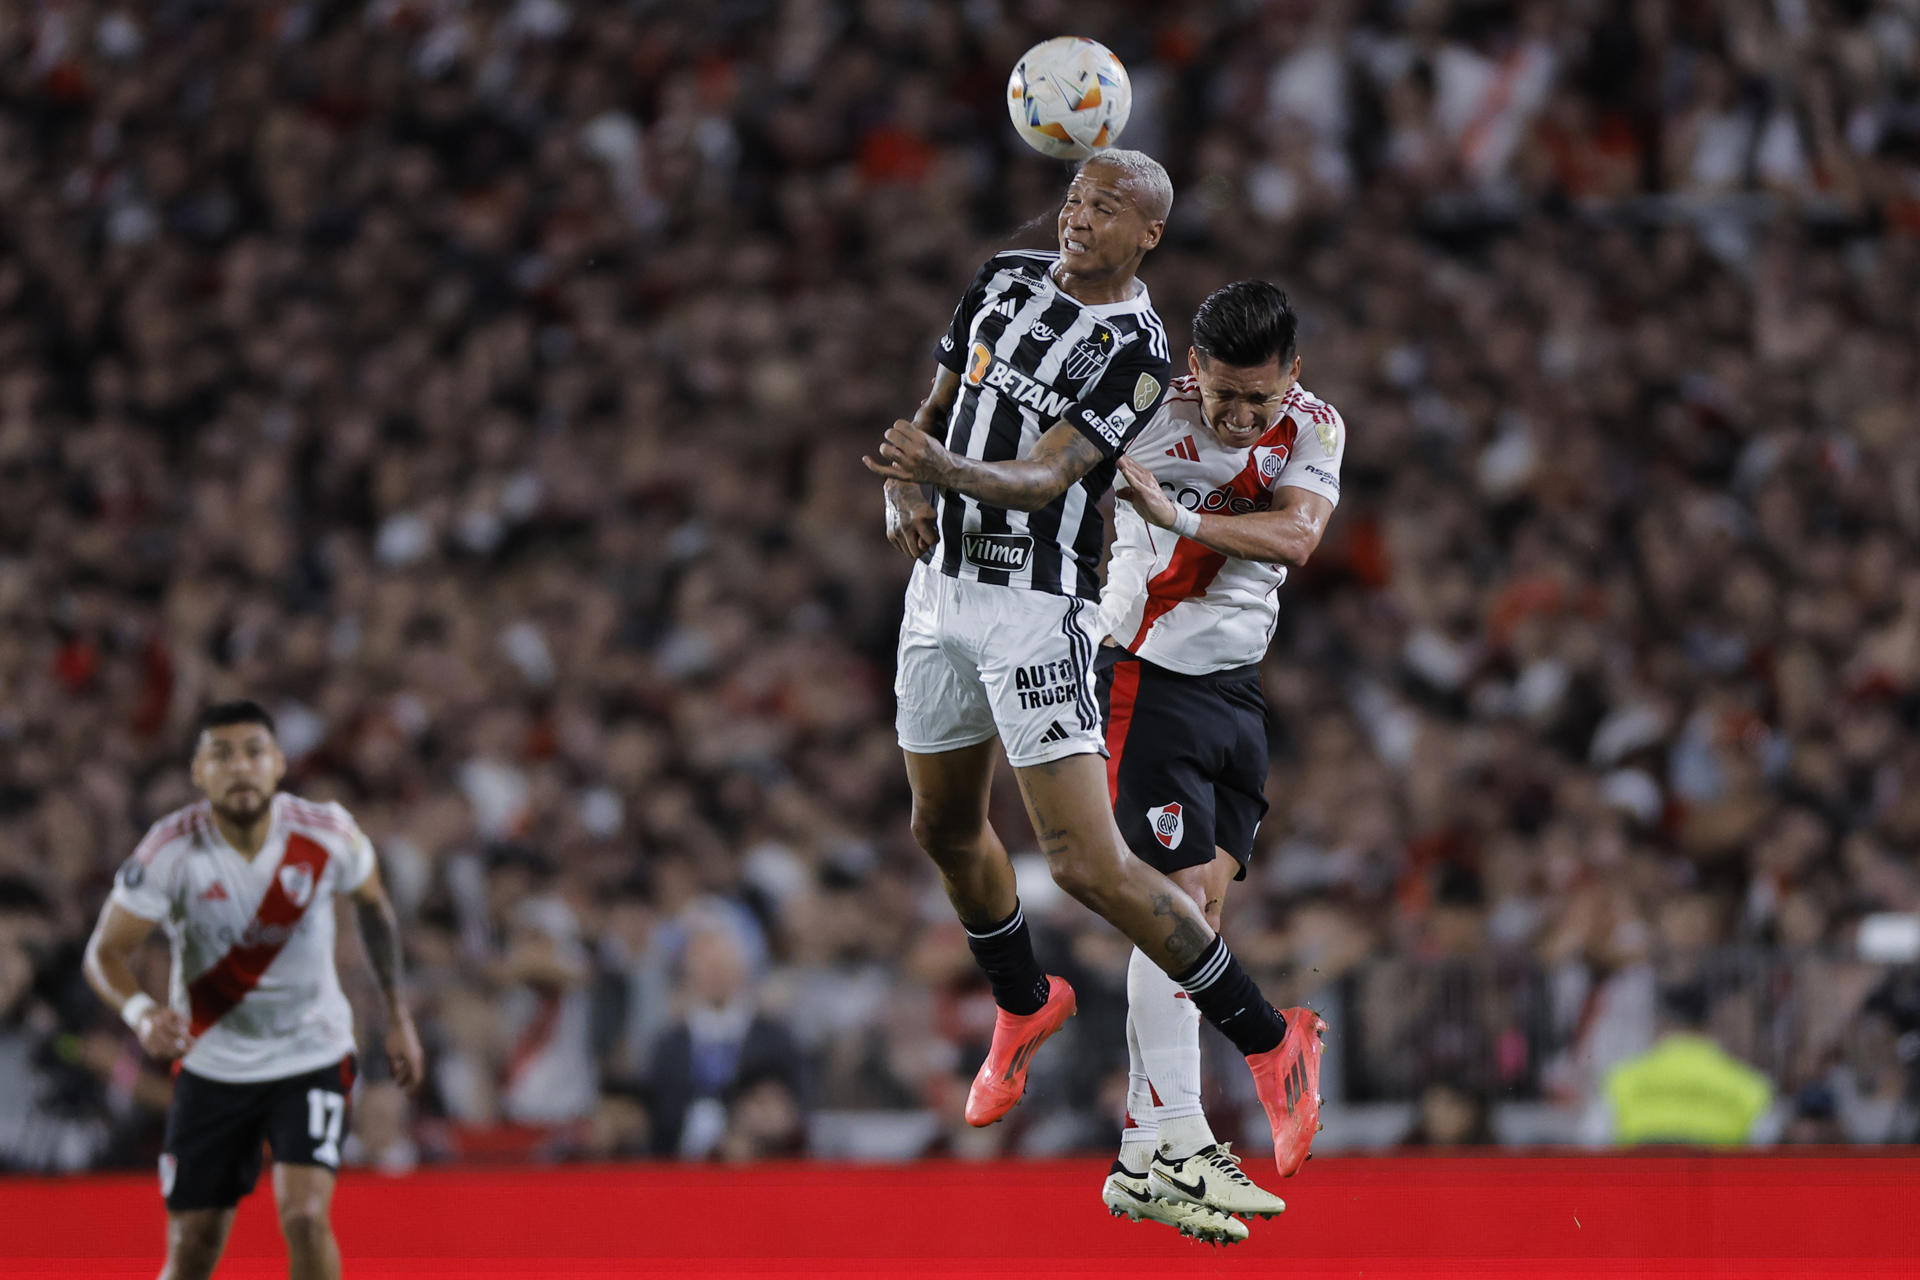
{"x":1059,"y":458}
{"x":380,"y":932}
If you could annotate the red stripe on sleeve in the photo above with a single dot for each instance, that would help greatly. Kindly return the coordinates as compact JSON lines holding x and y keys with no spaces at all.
{"x":167,"y":829}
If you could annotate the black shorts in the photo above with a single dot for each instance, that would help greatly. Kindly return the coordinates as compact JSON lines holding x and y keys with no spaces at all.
{"x":211,"y":1156}
{"x":1186,"y":759}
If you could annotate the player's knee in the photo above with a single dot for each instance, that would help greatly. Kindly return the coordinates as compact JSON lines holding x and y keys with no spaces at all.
{"x":193,"y":1250}
{"x":1208,"y":904}
{"x":304,"y":1225}
{"x":945,"y":834}
{"x":1085,"y":873}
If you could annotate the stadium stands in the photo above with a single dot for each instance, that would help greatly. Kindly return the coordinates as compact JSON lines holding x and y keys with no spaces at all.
{"x":483,"y":386}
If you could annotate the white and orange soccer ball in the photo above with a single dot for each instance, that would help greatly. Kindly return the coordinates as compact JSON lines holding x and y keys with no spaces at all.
{"x":1069,"y":97}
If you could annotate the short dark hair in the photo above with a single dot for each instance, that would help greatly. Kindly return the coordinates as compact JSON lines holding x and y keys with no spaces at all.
{"x":238,"y":711}
{"x":1245,"y":324}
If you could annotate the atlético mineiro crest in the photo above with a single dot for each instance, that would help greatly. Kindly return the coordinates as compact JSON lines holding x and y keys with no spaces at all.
{"x":1168,"y":826}
{"x":297,"y":881}
{"x":1089,"y":356}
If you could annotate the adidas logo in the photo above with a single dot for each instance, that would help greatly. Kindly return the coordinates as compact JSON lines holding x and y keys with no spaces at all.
{"x":1054,"y":733}
{"x":216,"y":892}
{"x":1186,"y":450}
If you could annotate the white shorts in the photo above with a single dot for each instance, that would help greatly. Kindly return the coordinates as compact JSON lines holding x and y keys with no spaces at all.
{"x":978,"y":660}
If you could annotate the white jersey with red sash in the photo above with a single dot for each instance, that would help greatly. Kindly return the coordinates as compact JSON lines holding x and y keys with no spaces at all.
{"x":1182,"y":605}
{"x":252,"y":938}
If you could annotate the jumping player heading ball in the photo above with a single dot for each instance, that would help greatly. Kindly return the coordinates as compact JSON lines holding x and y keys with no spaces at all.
{"x":1230,"y":485}
{"x":1053,"y":362}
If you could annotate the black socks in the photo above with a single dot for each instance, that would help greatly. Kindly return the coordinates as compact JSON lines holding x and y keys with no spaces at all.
{"x":1223,"y":992}
{"x":1227,"y":998}
{"x":1005,"y":951}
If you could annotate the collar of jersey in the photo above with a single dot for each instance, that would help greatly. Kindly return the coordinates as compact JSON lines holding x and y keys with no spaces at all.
{"x":1140,"y":301}
{"x":219,"y":841}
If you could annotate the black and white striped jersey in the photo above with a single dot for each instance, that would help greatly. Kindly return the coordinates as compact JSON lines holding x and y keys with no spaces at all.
{"x":1029,"y":355}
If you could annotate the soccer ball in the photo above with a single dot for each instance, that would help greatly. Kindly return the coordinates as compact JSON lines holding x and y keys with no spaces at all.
{"x":1069,"y":97}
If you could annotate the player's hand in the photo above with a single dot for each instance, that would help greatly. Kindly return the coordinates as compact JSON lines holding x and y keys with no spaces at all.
{"x":910,"y":524}
{"x":163,"y":1033}
{"x":1145,"y":493}
{"x":910,"y":454}
{"x":405,"y":1057}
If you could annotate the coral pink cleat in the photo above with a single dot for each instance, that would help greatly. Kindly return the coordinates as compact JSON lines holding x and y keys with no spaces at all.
{"x":1003,"y":1076}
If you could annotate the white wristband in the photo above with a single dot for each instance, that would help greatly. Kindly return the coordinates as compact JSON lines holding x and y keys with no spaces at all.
{"x":1186,"y":523}
{"x":135,"y":1009}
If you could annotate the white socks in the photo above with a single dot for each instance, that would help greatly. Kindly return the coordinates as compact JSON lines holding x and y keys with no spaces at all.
{"x":1163,"y":1068}
{"x":1141,"y":1138}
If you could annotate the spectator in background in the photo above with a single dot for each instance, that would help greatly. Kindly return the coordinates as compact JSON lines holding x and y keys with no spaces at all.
{"x":1686,"y":1088}
{"x":1815,"y":1119}
{"x":633,"y":980}
{"x":763,"y":1120}
{"x":619,"y":1129}
{"x":539,"y":978}
{"x":720,"y":1049}
{"x":1450,"y":1115}
{"x":50,"y":1121}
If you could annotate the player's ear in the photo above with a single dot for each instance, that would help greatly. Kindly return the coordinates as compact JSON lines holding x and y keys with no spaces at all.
{"x":1293,"y":374}
{"x":1193,"y":361}
{"x":279,"y":764}
{"x":1155,"y":230}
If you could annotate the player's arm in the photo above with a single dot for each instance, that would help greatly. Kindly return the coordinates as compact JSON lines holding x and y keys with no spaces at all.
{"x":380,"y":934}
{"x":1288,"y":534}
{"x":117,"y":937}
{"x":909,"y":514}
{"x":1060,"y":457}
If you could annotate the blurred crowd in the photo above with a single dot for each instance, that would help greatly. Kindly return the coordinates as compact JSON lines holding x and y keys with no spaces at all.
{"x":482,"y":386}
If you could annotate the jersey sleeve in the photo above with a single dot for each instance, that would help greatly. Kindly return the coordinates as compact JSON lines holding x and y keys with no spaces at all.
{"x":1128,"y":564}
{"x":357,"y":858}
{"x":141,"y":887}
{"x":951,"y":351}
{"x":1122,"y":400}
{"x":1317,"y":451}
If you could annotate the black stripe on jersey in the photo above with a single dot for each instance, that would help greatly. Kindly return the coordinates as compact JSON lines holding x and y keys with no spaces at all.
{"x":1007,"y":434}
{"x":1008,"y":285}
{"x":1081,"y":649}
{"x":1044,"y":525}
{"x":953,"y":522}
{"x":994,"y":520}
{"x":1092,"y":537}
{"x":1156,"y":335}
{"x":987,"y":329}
